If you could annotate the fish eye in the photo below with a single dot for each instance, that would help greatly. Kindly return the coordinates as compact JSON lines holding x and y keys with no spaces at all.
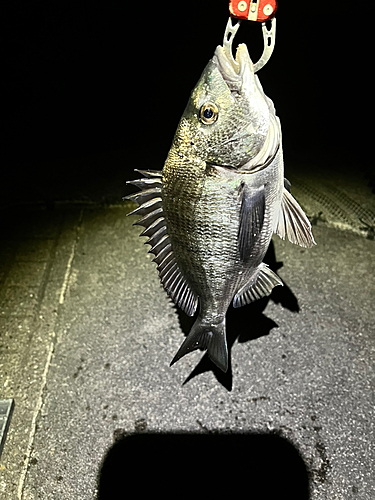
{"x":208,"y":113}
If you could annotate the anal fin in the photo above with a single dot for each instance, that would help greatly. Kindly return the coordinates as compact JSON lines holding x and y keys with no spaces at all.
{"x":292,"y":222}
{"x":259,"y":286}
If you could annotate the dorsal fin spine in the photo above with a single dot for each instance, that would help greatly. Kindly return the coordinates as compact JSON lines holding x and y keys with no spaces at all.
{"x":152,"y":219}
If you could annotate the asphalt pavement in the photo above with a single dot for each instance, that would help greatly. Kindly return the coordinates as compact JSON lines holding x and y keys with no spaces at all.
{"x":87,"y":334}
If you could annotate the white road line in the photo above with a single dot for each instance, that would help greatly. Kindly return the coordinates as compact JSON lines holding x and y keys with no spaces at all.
{"x":69,"y":265}
{"x":33,"y":423}
{"x":45,"y":373}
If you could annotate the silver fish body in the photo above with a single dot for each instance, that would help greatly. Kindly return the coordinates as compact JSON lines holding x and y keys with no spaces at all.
{"x":211,"y":213}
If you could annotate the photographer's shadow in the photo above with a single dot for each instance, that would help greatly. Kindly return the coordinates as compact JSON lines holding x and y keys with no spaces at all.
{"x":203,"y":466}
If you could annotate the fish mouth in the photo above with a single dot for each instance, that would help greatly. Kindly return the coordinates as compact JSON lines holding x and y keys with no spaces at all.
{"x":232,"y":69}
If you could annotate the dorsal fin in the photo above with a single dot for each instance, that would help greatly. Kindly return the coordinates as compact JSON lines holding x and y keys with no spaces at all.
{"x":151,"y":209}
{"x":259,"y":286}
{"x":150,"y":173}
{"x":143,"y":196}
{"x":293,"y":223}
{"x":147,"y":183}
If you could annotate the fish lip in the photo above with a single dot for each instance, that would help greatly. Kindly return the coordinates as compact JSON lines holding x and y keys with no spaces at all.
{"x":232,"y":69}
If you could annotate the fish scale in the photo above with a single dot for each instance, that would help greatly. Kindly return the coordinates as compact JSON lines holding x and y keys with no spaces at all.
{"x":205,"y":236}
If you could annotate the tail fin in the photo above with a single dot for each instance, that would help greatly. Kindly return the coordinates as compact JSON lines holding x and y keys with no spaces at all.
{"x":206,"y":336}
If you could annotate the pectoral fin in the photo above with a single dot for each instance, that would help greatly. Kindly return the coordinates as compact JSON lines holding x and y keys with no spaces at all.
{"x":251,"y":220}
{"x":293,"y":223}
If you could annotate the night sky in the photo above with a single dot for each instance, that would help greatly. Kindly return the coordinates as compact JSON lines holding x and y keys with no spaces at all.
{"x":87,"y":77}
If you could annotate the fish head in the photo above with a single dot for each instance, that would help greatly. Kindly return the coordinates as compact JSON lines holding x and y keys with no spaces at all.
{"x":227,"y":118}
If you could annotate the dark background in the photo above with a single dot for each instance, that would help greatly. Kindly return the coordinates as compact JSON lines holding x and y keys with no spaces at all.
{"x":96,"y":89}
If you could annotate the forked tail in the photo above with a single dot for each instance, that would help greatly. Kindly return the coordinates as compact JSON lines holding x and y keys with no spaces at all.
{"x":210,"y":337}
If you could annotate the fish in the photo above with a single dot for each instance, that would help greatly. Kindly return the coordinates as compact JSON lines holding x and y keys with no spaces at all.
{"x":210,"y":213}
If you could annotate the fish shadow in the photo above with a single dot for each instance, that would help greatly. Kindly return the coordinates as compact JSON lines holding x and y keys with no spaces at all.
{"x":244,"y":324}
{"x":205,"y":465}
